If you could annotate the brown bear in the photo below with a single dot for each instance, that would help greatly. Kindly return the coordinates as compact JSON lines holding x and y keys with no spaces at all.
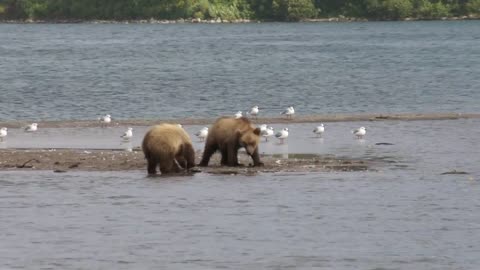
{"x":170,"y":147}
{"x":228,"y":135}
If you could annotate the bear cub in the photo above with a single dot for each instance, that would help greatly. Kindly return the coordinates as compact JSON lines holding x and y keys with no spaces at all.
{"x":169,"y":147}
{"x":227,"y":135}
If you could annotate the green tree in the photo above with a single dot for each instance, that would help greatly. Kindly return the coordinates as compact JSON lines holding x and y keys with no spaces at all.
{"x":429,"y":10}
{"x":473,"y":7}
{"x":293,"y":10}
{"x":389,"y":9}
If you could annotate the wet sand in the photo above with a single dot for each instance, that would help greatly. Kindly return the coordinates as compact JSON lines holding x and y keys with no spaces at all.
{"x":89,"y":159}
{"x":62,"y":160}
{"x":270,"y":120}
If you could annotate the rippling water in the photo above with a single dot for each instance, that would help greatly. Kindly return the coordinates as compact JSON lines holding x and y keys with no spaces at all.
{"x":164,"y":71}
{"x":406,"y":215}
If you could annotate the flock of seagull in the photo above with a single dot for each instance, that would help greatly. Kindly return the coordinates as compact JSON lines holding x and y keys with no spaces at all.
{"x":268,"y":131}
{"x":265,"y":131}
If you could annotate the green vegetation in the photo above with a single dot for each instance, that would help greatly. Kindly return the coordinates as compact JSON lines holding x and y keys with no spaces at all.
{"x":278,"y":10}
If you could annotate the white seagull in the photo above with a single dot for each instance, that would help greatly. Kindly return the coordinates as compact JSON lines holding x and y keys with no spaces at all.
{"x":282,"y":134}
{"x":289,"y":112}
{"x":253,"y":111}
{"x":202,"y":133}
{"x":319,"y":130}
{"x":268,"y":132}
{"x":263,"y":127}
{"x":106,"y":119}
{"x":3,"y":133}
{"x":238,"y":115}
{"x":180,"y":125}
{"x":32,"y":127}
{"x":360,"y":133}
{"x":127,"y":135}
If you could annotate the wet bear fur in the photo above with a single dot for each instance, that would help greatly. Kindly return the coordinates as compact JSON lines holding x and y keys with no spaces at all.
{"x":227,"y":135}
{"x":169,"y":147}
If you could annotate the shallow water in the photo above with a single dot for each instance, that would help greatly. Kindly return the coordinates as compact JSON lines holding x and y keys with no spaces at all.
{"x":405,"y":215}
{"x":427,"y":146}
{"x":191,"y":70}
{"x":277,"y":221}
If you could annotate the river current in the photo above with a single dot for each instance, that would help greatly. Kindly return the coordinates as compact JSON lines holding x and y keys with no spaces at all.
{"x":404,"y":214}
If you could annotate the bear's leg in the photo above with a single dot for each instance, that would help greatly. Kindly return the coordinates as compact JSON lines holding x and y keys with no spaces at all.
{"x":189,"y":156}
{"x":224,"y":152}
{"x":180,"y":160}
{"x":167,"y":165}
{"x":256,"y":158}
{"x":152,"y":166}
{"x":232,"y":154}
{"x":210,"y":149}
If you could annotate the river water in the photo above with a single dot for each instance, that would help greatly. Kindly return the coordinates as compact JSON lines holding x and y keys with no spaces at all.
{"x":177,"y":71}
{"x":404,"y":215}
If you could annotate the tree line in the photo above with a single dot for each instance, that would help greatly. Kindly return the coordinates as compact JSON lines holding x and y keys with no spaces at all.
{"x":268,"y":10}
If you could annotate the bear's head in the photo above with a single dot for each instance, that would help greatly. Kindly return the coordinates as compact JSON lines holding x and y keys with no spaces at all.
{"x":249,"y":139}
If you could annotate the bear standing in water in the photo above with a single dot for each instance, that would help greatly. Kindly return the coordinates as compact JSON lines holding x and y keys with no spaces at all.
{"x":228,"y":135}
{"x":169,"y":147}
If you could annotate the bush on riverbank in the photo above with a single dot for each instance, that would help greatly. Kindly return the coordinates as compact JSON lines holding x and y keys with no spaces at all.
{"x":230,"y":10}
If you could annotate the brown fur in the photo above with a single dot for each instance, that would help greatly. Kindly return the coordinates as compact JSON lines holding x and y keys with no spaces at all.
{"x":169,"y":147}
{"x":228,"y":135}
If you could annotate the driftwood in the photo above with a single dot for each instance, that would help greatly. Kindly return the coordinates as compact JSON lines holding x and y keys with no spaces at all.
{"x":24,"y":165}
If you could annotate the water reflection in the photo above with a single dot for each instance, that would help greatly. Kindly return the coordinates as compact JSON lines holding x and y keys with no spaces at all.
{"x":127,"y":145}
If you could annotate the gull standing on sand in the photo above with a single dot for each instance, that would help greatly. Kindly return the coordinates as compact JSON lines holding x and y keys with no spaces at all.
{"x":254,"y":112}
{"x":289,"y":112}
{"x":32,"y":127}
{"x":268,"y":132}
{"x":282,"y":135}
{"x":238,"y":115}
{"x":3,"y":133}
{"x":127,"y":135}
{"x":319,"y":130}
{"x":360,"y":133}
{"x":202,"y":133}
{"x":106,"y":119}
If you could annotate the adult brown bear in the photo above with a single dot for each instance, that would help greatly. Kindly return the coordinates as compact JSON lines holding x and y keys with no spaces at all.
{"x":228,"y":135}
{"x":169,"y":147}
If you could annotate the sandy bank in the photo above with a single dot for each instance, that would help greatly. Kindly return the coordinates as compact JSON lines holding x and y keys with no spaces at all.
{"x":260,"y":120}
{"x":111,"y":160}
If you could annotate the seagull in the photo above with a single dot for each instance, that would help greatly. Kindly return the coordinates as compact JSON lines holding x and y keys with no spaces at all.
{"x":319,"y":130}
{"x":202,"y":134}
{"x":32,"y":127}
{"x":360,"y":133}
{"x":253,"y":111}
{"x":289,"y":112}
{"x":3,"y":133}
{"x":180,"y":125}
{"x":282,"y":134}
{"x":238,"y":115}
{"x":106,"y":119}
{"x":268,"y":132}
{"x":128,"y":134}
{"x":263,"y":127}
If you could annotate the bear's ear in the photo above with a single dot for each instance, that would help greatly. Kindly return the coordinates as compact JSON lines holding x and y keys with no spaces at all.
{"x":257,"y":131}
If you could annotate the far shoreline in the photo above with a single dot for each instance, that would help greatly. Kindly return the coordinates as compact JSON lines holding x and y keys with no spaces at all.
{"x":235,"y":21}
